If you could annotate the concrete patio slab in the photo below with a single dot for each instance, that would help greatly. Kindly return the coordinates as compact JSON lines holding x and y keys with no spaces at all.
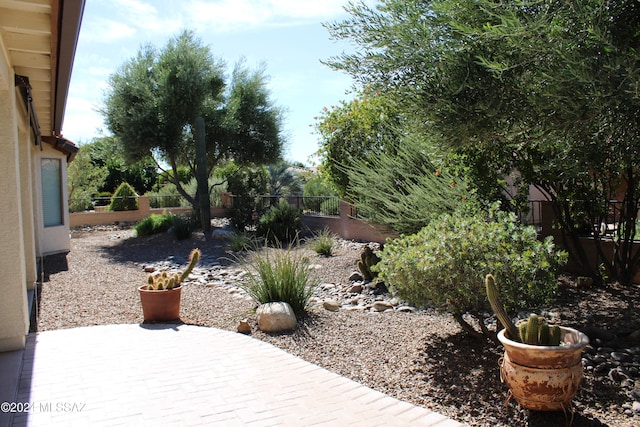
{"x":182,"y":375}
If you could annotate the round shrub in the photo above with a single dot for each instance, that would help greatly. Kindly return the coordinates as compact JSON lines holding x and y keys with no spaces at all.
{"x":280,"y":223}
{"x":124,"y":198}
{"x":154,"y":224}
{"x":444,"y":265}
{"x":183,"y":227}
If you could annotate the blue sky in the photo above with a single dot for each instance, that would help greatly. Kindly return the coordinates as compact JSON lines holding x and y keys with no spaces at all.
{"x":285,"y":35}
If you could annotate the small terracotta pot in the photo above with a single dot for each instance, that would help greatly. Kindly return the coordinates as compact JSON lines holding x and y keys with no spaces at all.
{"x":161,"y":305}
{"x":543,"y":378}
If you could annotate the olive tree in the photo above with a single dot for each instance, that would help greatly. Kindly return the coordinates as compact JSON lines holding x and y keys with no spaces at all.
{"x":154,"y":100}
{"x":547,"y":89}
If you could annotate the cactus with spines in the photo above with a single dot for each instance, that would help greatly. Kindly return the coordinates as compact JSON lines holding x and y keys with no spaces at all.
{"x":496,"y":304}
{"x":367,"y":260}
{"x":165,"y":281}
{"x":536,"y":331}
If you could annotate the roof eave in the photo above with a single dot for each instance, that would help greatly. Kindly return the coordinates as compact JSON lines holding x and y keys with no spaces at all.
{"x":66,"y":21}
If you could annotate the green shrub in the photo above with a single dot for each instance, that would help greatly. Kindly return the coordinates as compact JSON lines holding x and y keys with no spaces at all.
{"x":81,"y":202}
{"x":241,"y":241}
{"x":124,"y":198}
{"x":280,"y":223}
{"x":244,"y":212}
{"x":182,"y":227}
{"x":444,"y":265}
{"x":154,"y":224}
{"x":323,"y":241}
{"x":276,"y":275}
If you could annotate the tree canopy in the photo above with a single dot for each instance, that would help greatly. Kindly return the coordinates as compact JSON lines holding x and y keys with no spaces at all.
{"x":352,"y":130}
{"x":548,"y":89}
{"x":154,"y":99}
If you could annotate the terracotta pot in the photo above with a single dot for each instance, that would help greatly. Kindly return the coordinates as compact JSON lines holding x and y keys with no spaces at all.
{"x":161,"y":305}
{"x":543,"y":378}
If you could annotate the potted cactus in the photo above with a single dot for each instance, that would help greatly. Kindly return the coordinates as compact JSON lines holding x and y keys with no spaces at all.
{"x":160,"y":297}
{"x":542,"y":363}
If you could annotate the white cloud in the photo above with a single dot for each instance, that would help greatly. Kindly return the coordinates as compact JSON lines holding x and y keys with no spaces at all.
{"x":106,"y":31}
{"x":129,"y":19}
{"x":226,"y":15}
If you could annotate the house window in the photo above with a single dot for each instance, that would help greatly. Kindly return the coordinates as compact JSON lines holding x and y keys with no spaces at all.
{"x":51,"y":192}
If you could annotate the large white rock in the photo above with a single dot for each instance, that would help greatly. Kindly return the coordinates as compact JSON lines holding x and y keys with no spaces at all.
{"x":276,"y":317}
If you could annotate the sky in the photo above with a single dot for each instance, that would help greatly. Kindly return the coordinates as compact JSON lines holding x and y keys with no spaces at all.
{"x":286,"y":36}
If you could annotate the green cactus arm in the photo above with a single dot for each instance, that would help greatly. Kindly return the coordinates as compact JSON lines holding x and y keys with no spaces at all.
{"x":498,"y":309}
{"x":554,"y":335}
{"x":533,"y":329}
{"x":194,"y":257}
{"x":543,"y":334}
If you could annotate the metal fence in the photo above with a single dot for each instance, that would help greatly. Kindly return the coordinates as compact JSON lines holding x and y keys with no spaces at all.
{"x":309,"y":205}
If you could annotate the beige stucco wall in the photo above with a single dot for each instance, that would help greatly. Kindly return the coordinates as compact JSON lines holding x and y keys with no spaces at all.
{"x":14,"y":315}
{"x":25,"y":142}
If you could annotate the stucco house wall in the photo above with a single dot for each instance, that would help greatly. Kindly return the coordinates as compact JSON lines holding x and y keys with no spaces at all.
{"x":14,"y":314}
{"x":37,"y":46}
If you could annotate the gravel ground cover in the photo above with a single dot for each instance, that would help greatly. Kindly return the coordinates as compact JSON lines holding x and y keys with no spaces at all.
{"x":422,"y":357}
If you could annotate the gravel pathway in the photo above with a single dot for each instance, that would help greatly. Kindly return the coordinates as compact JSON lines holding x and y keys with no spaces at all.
{"x":421,"y":357}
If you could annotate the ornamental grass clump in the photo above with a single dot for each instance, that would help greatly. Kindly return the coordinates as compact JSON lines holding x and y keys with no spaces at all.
{"x":280,"y":275}
{"x":323,"y":241}
{"x":241,"y":241}
{"x":444,"y":265}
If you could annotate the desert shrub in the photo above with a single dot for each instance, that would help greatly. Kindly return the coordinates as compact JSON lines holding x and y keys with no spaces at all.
{"x":124,"y":198}
{"x":81,"y":202}
{"x":444,"y":264}
{"x":154,"y":224}
{"x":275,"y":275}
{"x":182,"y":227}
{"x":241,"y":241}
{"x":280,"y":223}
{"x":246,"y":185}
{"x":322,"y":242}
{"x":244,"y":212}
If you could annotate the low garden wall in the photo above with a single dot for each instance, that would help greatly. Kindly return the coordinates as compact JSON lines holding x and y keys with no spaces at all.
{"x":347,"y":226}
{"x":344,"y":225}
{"x":104,"y":217}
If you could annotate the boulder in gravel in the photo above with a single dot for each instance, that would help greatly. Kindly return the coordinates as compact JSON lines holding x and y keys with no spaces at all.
{"x":276,"y":317}
{"x":244,"y":327}
{"x":382,"y":306}
{"x":331,"y":305}
{"x":356,"y":289}
{"x":356,"y":277}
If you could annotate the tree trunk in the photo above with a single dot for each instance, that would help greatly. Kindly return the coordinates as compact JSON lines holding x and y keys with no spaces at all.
{"x":202,"y":177}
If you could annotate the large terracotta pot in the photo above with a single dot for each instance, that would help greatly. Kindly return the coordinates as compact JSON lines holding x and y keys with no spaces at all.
{"x":161,"y":305}
{"x":543,"y":378}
